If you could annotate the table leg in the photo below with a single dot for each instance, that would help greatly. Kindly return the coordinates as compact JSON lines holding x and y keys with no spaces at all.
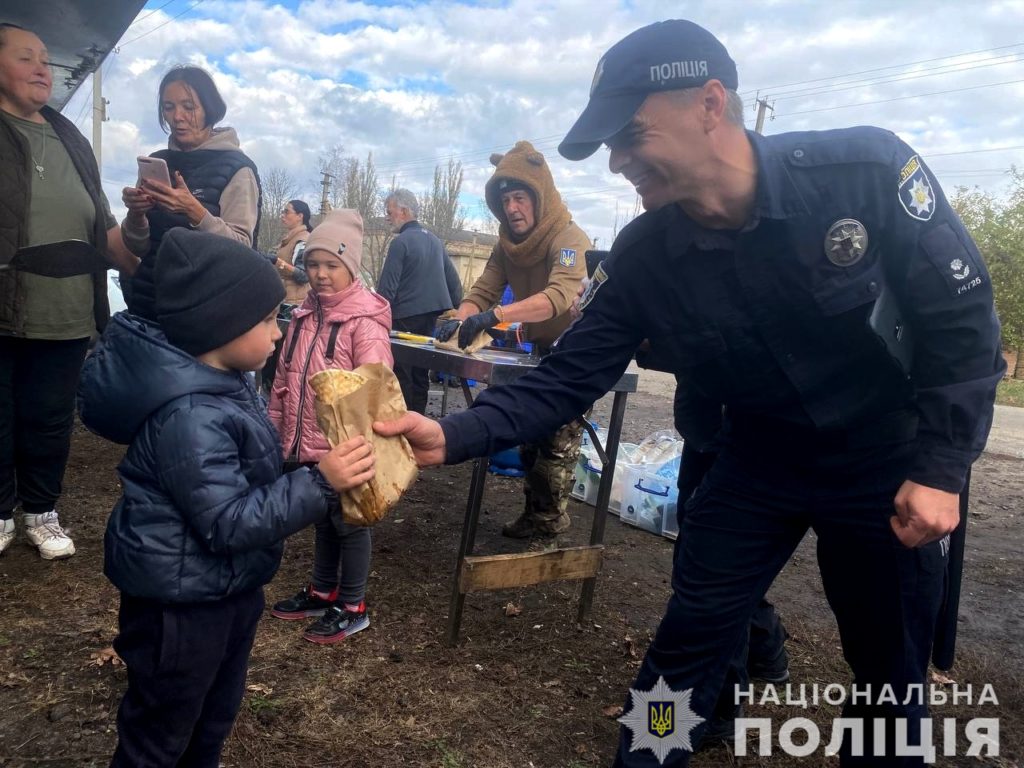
{"x":476,"y":494}
{"x":604,"y":492}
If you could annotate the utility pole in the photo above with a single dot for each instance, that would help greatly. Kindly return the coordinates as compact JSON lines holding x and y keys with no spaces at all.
{"x":325,"y":185}
{"x":762,"y":107}
{"x":99,"y":115}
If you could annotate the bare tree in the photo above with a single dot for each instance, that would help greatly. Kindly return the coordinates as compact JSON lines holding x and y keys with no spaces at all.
{"x":361,"y":189}
{"x":278,"y":188}
{"x":439,"y":208}
{"x":363,"y":193}
{"x":624,"y":219}
{"x":336,"y":164}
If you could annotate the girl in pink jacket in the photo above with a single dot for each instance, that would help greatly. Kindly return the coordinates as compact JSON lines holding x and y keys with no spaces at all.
{"x":341,"y":324}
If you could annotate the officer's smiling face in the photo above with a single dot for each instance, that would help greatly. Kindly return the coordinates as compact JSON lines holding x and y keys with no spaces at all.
{"x":662,"y":149}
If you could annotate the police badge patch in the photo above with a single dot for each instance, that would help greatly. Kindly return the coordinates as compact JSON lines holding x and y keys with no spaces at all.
{"x":568,"y":257}
{"x":661,"y":720}
{"x":916,"y":194}
{"x":600,"y":276}
{"x":846,"y":242}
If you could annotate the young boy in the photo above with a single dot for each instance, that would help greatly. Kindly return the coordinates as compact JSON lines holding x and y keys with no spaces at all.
{"x":199,"y":528}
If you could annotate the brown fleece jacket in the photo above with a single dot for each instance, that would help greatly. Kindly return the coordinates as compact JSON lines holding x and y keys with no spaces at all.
{"x":550,"y":260}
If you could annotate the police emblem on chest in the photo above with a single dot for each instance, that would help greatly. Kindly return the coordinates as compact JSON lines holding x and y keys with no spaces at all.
{"x":846,"y":242}
{"x":916,"y":194}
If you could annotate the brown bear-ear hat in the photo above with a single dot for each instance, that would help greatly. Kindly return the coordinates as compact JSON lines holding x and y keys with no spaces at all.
{"x":527,"y":166}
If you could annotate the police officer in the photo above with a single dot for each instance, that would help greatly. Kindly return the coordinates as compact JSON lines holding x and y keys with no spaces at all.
{"x":540,"y":254}
{"x":757,"y":268}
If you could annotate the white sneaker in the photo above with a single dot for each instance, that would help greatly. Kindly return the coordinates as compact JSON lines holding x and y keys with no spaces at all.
{"x":6,"y":533}
{"x":49,"y":537}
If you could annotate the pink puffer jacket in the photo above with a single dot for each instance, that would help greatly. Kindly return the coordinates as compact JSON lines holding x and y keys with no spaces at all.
{"x":359,"y":320}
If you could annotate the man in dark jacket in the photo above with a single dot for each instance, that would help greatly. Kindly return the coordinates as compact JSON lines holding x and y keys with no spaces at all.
{"x":420,"y":282}
{"x":199,"y":527}
{"x":762,"y":272}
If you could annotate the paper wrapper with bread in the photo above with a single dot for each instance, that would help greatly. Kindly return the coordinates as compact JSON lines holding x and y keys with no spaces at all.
{"x":347,"y":404}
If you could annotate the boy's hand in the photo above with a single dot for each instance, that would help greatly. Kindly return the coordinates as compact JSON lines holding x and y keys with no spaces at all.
{"x":349,"y":464}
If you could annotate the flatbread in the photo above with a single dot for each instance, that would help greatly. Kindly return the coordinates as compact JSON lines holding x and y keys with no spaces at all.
{"x":347,"y":403}
{"x":452,"y":345}
{"x":334,"y":383}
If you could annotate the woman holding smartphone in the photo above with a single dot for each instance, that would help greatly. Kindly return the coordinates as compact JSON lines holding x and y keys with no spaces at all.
{"x":214,"y":186}
{"x":52,"y":193}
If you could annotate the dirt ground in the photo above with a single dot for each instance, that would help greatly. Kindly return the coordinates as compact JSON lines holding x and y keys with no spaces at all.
{"x":531,"y":690}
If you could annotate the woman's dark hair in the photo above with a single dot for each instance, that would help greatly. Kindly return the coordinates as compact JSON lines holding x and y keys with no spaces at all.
{"x":202,"y":85}
{"x":4,"y":26}
{"x":302,"y":209}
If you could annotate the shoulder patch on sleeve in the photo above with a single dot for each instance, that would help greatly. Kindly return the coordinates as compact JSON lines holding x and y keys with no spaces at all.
{"x":567,"y":258}
{"x":953,"y":260}
{"x":599,"y":278}
{"x":915,"y":190}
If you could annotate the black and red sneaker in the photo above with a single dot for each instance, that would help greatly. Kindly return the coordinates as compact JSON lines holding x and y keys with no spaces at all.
{"x":337,"y":624}
{"x":305,"y":605}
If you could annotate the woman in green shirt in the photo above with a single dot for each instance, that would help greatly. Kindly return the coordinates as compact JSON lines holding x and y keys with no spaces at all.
{"x":51,"y":188}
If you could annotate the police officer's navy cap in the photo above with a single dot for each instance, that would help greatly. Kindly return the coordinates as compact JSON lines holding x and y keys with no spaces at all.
{"x":664,"y":56}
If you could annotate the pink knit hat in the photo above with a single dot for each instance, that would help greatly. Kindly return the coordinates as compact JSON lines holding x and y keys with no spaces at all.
{"x":340,"y":234}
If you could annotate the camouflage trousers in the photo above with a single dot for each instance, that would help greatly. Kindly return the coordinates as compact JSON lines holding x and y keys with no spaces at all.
{"x":549,"y":466}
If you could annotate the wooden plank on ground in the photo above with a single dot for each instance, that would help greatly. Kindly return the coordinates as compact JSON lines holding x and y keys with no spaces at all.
{"x":484,"y":572}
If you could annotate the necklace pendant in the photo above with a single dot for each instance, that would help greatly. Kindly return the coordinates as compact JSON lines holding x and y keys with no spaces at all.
{"x":39,"y":170}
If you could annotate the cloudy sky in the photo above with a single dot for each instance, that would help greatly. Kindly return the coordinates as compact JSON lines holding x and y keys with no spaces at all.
{"x":417,"y":83}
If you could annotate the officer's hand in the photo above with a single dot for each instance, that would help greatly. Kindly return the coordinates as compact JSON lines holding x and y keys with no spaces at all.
{"x":924,"y":514}
{"x":473,"y":324}
{"x":424,"y":436}
{"x":446,"y":329}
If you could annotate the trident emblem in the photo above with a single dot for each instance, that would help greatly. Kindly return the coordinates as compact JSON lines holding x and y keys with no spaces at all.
{"x":661,"y":723}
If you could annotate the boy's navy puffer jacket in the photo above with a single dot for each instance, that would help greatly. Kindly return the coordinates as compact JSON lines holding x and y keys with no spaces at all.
{"x":205,"y":508}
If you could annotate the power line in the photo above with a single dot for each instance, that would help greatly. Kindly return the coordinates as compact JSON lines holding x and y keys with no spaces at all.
{"x":164,"y":24}
{"x":469,"y":153}
{"x":975,"y":151}
{"x":946,"y":70}
{"x":155,"y":10}
{"x":901,"y":98}
{"x":882,"y":69}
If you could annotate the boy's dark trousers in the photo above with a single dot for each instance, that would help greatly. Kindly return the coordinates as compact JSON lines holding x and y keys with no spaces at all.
{"x":186,"y":677}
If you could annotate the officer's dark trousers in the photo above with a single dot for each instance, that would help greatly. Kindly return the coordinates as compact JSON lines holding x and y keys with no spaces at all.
{"x":415,"y":382}
{"x":186,"y":677}
{"x":741,"y":526}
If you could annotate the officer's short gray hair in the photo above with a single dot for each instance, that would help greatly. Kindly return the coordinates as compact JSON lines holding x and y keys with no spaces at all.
{"x":733,"y":103}
{"x":403,"y":198}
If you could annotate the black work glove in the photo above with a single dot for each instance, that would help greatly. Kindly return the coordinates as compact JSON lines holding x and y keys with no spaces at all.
{"x":473,"y":324}
{"x":446,"y":329}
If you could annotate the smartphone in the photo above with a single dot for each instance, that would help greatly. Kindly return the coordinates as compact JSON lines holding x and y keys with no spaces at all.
{"x":153,"y":169}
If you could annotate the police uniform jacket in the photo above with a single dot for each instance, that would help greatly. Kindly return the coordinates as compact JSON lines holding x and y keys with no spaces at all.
{"x":772,"y":321}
